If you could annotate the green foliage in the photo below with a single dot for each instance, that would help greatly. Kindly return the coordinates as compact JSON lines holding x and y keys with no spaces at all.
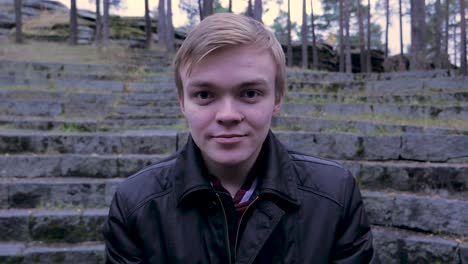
{"x":280,"y":26}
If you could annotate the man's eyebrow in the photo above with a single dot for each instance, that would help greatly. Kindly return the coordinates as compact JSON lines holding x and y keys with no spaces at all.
{"x":253,"y":82}
{"x":208,"y":84}
{"x":201,"y":83}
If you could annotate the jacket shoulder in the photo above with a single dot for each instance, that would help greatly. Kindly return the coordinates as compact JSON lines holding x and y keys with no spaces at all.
{"x":326,"y":178}
{"x":146,"y":184}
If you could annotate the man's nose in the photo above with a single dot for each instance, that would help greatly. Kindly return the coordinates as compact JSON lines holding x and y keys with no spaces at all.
{"x":229,"y":113}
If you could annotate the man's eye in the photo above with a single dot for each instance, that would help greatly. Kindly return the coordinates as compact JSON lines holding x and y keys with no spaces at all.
{"x":203,"y":95}
{"x":250,"y":93}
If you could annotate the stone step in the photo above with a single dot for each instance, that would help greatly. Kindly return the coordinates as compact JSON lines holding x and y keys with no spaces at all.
{"x":343,"y":109}
{"x":86,"y":85}
{"x":50,"y":95}
{"x":171,"y":108}
{"x":47,"y":123}
{"x":400,"y":210}
{"x":392,"y":245}
{"x":129,"y":142}
{"x":445,"y":98}
{"x":74,"y":165}
{"x":443,"y":179}
{"x":143,"y":122}
{"x":447,"y":180}
{"x":320,"y":76}
{"x":348,"y":146}
{"x":52,"y":226}
{"x":80,"y":71}
{"x":76,"y":253}
{"x":64,"y":193}
{"x":396,"y":246}
{"x":395,"y":86}
{"x":138,"y":98}
{"x":79,"y":107}
{"x":368,"y":127}
{"x":420,"y":213}
{"x":342,"y":146}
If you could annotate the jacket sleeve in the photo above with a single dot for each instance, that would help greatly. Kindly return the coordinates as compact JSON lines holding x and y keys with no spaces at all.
{"x":121,"y":245}
{"x":353,"y":243}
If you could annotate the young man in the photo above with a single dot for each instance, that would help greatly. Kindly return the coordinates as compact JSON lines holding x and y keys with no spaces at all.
{"x":234,"y":194}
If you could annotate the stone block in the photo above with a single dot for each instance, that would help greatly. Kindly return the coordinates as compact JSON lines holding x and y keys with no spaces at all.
{"x":383,"y":147}
{"x":396,"y":246}
{"x":77,"y":194}
{"x":446,"y":84}
{"x":92,"y":254}
{"x":14,"y":225}
{"x":463,"y":253}
{"x":29,"y":166}
{"x":28,"y":195}
{"x":434,"y":215}
{"x":394,"y":86}
{"x":434,"y":147}
{"x":4,"y":197}
{"x":430,"y":250}
{"x":88,"y":166}
{"x":57,"y":226}
{"x":379,"y":207}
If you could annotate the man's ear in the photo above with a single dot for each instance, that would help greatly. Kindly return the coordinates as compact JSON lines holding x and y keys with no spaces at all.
{"x":180,"y":98}
{"x":277,"y":107}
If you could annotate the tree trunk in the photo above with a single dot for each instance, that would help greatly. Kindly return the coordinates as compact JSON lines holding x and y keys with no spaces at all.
{"x":250,"y":12}
{"x":105,"y":22}
{"x":148,"y":31}
{"x":73,"y":23}
{"x":207,"y":8}
{"x":305,"y":46}
{"x":463,"y":66}
{"x":258,"y":10}
{"x":169,"y":27}
{"x":369,"y":44}
{"x":289,"y":50}
{"x":19,"y":21}
{"x":447,"y":17}
{"x":402,"y":64}
{"x":230,"y":6}
{"x":387,"y":24}
{"x":455,"y":48}
{"x":341,"y":34}
{"x":418,"y":29}
{"x":314,"y":41}
{"x":200,"y":10}
{"x":348,"y":64}
{"x":362,"y":43}
{"x":162,"y":24}
{"x":98,"y":33}
{"x":438,"y":35}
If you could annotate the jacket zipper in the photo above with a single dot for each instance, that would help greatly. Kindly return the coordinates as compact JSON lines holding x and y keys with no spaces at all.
{"x":240,"y":222}
{"x":226,"y":229}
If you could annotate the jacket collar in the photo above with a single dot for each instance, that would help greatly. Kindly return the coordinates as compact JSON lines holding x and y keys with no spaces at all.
{"x":278,"y":179}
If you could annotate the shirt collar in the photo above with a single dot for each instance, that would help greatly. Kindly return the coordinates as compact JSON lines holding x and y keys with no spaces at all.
{"x":277,"y":177}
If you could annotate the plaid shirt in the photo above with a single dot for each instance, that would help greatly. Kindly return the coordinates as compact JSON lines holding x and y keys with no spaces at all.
{"x":242,"y":197}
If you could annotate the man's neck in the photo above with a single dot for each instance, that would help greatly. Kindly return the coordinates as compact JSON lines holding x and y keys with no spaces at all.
{"x":231,"y":176}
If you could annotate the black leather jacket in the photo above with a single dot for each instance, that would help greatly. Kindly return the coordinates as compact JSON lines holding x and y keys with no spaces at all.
{"x":308,"y":210}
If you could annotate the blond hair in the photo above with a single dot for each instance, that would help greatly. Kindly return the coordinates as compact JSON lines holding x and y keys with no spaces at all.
{"x":227,"y":30}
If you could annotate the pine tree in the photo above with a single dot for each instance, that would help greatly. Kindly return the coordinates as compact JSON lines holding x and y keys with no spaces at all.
{"x":19,"y":21}
{"x":73,"y":23}
{"x":305,"y":45}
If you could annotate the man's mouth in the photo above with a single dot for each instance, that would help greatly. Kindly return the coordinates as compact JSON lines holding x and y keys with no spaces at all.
{"x":228,"y":138}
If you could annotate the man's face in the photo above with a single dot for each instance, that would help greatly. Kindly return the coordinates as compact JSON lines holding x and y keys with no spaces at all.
{"x":228,"y":101}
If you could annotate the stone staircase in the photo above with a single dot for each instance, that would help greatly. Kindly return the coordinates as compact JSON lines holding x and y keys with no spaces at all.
{"x":69,"y":134}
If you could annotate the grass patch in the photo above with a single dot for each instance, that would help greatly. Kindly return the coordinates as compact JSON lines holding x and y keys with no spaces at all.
{"x":74,"y":128}
{"x":453,"y":123}
{"x":51,"y":52}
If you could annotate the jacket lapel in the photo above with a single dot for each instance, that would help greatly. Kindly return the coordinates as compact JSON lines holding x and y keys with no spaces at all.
{"x":263,"y":221}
